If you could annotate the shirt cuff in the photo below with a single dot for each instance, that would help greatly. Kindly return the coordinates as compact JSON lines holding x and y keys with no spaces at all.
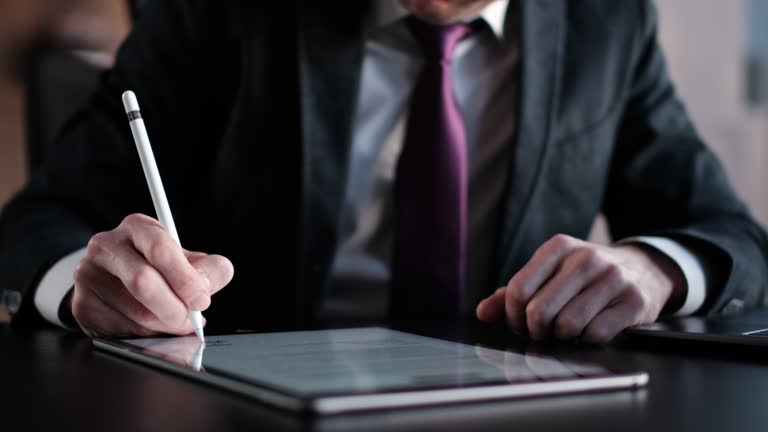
{"x":689,"y":264}
{"x":55,"y":285}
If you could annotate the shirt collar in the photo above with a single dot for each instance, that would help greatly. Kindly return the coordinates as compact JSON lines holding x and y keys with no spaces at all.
{"x":386,"y":12}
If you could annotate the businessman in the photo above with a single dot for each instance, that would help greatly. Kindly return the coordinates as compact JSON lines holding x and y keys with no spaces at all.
{"x":385,"y":161}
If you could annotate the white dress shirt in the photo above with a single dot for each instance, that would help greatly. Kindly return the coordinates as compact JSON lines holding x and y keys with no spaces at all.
{"x":485,"y":82}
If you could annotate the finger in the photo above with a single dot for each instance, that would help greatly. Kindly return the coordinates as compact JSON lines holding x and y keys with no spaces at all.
{"x":576,"y":271}
{"x":491,"y":309}
{"x":582,"y":309}
{"x":97,"y":319}
{"x":608,"y":323}
{"x":165,"y":255}
{"x":538,"y":270}
{"x":141,"y":280}
{"x":107,"y":321}
{"x":113,"y":293}
{"x":189,"y":254}
{"x":216,"y":268}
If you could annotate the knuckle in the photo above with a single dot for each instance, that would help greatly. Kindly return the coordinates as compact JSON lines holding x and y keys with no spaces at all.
{"x":632,"y":294}
{"x":515,"y":296}
{"x":561,"y":241}
{"x":141,"y":284}
{"x":637,"y":299}
{"x":135,"y":219}
{"x":98,"y":243}
{"x":617,"y":268}
{"x":535,"y":312}
{"x":567,"y":326}
{"x":614,"y":275}
{"x":79,"y":275}
{"x":586,"y":258}
{"x":160,"y":250}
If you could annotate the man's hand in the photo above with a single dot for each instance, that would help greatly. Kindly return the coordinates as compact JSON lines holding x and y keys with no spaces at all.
{"x":136,"y":281}
{"x":574,"y":289}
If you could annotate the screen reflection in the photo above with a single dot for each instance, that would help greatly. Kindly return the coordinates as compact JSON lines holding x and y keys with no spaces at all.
{"x":362,"y":355}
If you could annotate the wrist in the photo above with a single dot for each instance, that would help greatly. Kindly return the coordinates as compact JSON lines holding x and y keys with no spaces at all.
{"x":663,"y":273}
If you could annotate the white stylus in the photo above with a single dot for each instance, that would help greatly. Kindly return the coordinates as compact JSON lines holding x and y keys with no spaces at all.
{"x":155,"y":184}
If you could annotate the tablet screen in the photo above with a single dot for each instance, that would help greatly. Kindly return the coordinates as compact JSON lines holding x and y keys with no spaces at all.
{"x":356,"y":361}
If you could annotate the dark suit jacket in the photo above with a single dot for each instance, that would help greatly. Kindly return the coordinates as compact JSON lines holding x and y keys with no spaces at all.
{"x":249,"y":105}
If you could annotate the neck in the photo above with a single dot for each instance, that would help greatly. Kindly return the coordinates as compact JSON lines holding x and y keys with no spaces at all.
{"x":441,"y":12}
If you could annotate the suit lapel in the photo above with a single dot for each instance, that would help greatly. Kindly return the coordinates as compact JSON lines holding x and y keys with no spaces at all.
{"x":330,"y":56}
{"x":542,"y":28}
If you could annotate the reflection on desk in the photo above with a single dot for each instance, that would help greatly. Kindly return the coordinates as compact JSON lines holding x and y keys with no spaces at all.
{"x":70,"y":387}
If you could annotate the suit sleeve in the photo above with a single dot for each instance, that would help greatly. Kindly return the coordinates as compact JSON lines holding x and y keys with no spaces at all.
{"x":665,"y":182}
{"x":92,"y":179}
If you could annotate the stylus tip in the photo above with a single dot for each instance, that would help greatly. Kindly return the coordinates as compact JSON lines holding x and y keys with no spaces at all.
{"x":198,"y":322}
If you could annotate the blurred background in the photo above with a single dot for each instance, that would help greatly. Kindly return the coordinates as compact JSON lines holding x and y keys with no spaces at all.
{"x":51,"y":52}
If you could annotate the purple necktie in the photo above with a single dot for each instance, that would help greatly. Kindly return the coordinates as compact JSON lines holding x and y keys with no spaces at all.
{"x":428,"y":265}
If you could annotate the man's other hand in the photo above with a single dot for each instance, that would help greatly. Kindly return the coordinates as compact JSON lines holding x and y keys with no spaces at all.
{"x":574,"y":289}
{"x":137,"y":281}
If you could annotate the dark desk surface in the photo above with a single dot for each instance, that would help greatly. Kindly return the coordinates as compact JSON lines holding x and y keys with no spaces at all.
{"x":54,"y":380}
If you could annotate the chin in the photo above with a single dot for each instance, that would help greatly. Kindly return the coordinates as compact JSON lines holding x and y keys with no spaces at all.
{"x":442,"y":11}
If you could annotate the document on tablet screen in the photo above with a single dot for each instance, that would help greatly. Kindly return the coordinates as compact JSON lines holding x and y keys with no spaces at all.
{"x":365,"y":360}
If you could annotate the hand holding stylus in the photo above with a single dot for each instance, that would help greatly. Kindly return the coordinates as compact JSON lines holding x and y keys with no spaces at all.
{"x":137,"y":280}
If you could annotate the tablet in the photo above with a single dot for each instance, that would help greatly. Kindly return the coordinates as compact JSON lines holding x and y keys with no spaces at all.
{"x":336,"y":371}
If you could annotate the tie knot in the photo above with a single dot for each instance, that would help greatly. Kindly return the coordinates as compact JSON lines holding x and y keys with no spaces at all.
{"x":437,"y":42}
